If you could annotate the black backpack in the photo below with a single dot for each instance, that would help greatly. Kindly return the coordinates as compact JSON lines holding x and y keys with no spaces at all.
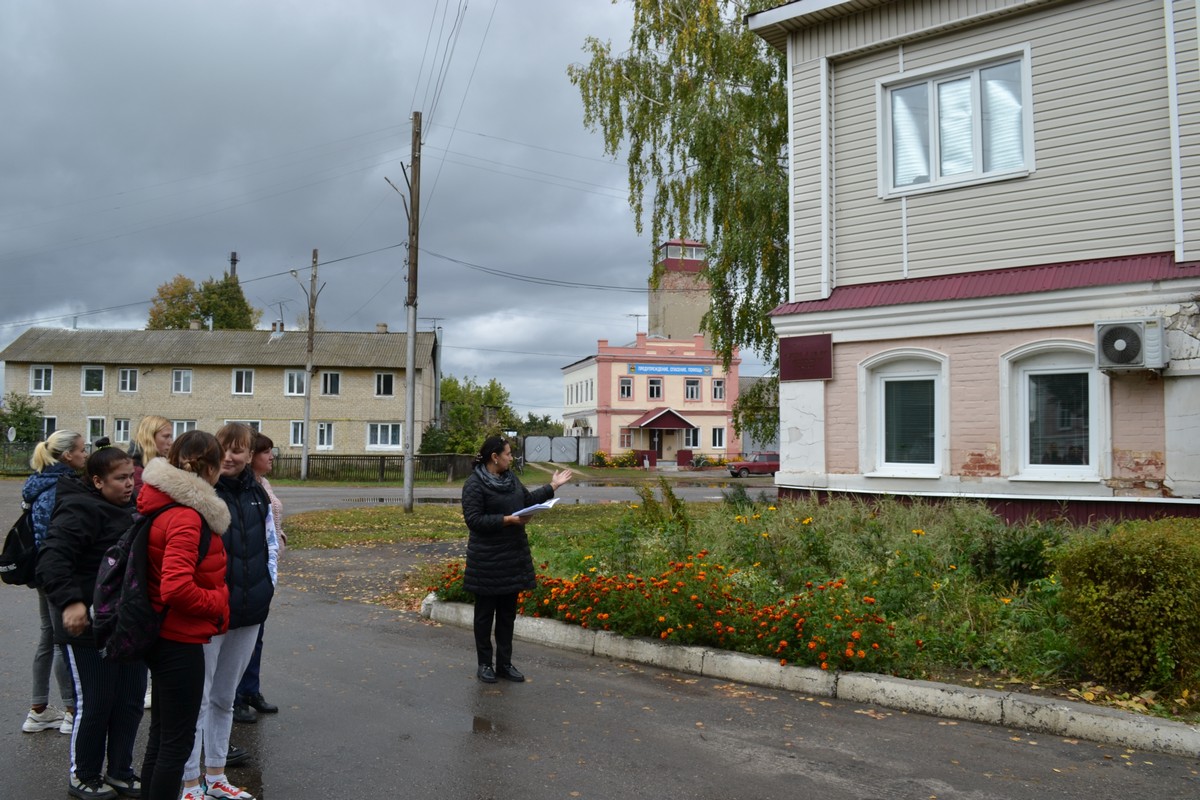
{"x":19,"y":556}
{"x":124,"y":621}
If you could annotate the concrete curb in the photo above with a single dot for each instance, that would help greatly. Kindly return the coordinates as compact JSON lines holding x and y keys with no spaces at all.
{"x":1009,"y":709}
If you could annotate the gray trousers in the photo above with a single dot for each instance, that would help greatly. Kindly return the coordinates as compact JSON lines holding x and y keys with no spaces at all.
{"x":47,"y":658}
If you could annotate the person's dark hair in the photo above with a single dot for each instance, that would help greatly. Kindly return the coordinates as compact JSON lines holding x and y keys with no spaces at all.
{"x":104,"y":460}
{"x":198,"y":452}
{"x":493,"y":445}
{"x":262,"y":443}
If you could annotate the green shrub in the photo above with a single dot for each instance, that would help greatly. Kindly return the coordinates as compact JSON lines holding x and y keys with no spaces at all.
{"x":1134,"y":602}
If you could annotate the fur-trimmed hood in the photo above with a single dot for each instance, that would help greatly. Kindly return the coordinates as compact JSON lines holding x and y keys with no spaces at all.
{"x":185,"y":488}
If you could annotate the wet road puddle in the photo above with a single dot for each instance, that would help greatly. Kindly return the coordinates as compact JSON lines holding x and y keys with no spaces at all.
{"x":482,"y":725}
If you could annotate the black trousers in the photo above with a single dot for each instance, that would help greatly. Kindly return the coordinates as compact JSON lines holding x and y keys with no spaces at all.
{"x":108,"y":709}
{"x":502,"y":609}
{"x":178,"y":672}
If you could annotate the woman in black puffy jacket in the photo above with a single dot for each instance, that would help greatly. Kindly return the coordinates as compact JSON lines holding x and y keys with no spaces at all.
{"x":499,"y":564}
{"x":89,"y":517}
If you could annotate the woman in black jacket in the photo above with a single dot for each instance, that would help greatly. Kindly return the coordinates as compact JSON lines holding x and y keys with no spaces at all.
{"x":499,"y":564}
{"x":89,"y":518}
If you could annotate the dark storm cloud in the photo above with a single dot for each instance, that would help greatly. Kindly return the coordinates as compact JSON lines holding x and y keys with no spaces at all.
{"x":146,"y":139}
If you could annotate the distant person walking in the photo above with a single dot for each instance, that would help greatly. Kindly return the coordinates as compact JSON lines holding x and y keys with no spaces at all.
{"x":63,"y":453}
{"x":499,"y":563}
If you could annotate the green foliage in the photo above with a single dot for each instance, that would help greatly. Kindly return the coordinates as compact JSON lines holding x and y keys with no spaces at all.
{"x":544,"y":425}
{"x":23,"y":413}
{"x":179,"y":301}
{"x":471,"y":412}
{"x":697,"y":106}
{"x":1133,"y":599}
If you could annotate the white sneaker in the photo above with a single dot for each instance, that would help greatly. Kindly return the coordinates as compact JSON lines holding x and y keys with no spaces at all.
{"x":44,"y":720}
{"x":194,"y":793}
{"x":68,"y":724}
{"x":146,"y":700}
{"x":220,"y":790}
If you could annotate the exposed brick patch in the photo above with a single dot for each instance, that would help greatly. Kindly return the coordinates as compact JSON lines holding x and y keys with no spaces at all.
{"x":1139,"y":465}
{"x":980,"y":465}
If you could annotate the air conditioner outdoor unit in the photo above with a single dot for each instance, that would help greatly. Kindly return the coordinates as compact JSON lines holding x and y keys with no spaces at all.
{"x":1131,"y":344}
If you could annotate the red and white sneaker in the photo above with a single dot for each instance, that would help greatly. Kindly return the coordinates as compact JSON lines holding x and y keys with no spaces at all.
{"x":224,"y":791}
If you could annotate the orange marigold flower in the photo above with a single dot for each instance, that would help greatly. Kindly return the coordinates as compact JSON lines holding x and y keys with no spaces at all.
{"x":1006,"y":600}
{"x":812,"y":645}
{"x":849,"y":652}
{"x":662,"y":619}
{"x":856,"y":635}
{"x":824,"y":665}
{"x":662,"y":635}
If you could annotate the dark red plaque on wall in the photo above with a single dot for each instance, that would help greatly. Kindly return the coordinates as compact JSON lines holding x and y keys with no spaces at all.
{"x":806,"y":358}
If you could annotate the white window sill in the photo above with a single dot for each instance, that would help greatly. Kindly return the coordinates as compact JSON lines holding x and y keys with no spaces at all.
{"x":1054,"y":478}
{"x":974,"y":180}
{"x":921,"y":474}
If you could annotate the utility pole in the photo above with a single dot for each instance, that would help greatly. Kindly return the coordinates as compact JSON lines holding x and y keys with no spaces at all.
{"x":311,"y":292}
{"x":410,"y":366}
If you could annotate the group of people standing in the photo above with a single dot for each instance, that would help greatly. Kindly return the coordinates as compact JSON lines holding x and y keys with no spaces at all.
{"x":212,"y":553}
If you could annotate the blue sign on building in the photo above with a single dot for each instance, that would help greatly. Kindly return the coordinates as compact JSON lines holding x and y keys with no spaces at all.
{"x":669,"y":369}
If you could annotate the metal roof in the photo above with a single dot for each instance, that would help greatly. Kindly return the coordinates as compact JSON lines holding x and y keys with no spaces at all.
{"x":663,"y":418}
{"x":999,"y":282}
{"x":203,"y":347}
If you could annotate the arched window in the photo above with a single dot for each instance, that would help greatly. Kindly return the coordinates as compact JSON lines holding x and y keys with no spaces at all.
{"x":903,"y":413}
{"x":1054,"y":412}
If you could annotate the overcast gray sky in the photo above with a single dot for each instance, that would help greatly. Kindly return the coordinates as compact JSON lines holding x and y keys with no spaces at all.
{"x":144,"y":139}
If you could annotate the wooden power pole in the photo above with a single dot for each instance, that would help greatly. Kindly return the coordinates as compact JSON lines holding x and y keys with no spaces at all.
{"x":311,"y":292}
{"x":410,"y":366}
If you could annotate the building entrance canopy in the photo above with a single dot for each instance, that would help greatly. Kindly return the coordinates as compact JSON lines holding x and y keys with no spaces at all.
{"x":662,"y":419}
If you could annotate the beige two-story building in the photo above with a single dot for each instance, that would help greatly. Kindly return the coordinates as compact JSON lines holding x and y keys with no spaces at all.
{"x":101,"y":382}
{"x":995,"y":252}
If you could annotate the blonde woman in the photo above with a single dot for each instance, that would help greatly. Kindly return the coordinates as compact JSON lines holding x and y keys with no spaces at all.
{"x":62,"y":455}
{"x":151,"y":440}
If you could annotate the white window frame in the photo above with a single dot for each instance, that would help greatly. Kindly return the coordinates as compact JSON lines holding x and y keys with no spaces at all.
{"x":247,"y":376}
{"x":691,"y":389}
{"x":325,"y":381}
{"x":718,"y":389}
{"x":121,"y":428}
{"x":254,"y":424}
{"x":181,"y":381}
{"x":379,"y":376}
{"x":95,"y":428}
{"x":691,"y":437}
{"x":873,"y":375}
{"x":373,"y":429}
{"x":182,"y":426}
{"x":49,"y":426}
{"x":296,"y":433}
{"x":83,"y":376}
{"x":932,"y":76}
{"x":41,"y":379}
{"x":625,"y":388}
{"x":718,"y":438}
{"x":127,"y":380}
{"x":293,"y":382}
{"x":654,"y":388}
{"x":324,"y":435}
{"x":1051,"y":357}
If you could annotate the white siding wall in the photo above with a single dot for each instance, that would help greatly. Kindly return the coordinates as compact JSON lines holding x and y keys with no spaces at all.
{"x":806,"y":172}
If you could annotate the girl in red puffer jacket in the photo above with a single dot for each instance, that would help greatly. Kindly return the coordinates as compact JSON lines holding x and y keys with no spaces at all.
{"x":194,"y":595}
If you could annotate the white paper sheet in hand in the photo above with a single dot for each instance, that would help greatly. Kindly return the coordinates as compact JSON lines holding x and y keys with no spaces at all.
{"x":531,"y":510}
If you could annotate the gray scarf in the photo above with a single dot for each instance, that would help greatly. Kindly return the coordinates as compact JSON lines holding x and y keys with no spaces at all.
{"x":499,"y":483}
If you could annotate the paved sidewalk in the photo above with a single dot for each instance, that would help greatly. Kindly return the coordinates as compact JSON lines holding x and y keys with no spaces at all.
{"x":384,"y":704}
{"x":1012,"y":709}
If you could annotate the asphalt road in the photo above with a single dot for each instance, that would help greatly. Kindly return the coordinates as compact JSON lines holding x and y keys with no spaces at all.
{"x":379,"y":703}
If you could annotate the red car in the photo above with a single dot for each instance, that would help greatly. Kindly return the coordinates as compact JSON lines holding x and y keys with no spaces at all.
{"x":757,"y":464}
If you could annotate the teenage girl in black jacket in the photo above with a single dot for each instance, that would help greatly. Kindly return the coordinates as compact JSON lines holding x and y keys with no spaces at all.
{"x":88,"y":518}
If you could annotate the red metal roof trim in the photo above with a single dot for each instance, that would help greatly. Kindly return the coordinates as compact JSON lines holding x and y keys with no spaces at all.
{"x":665,"y":419}
{"x":999,"y":282}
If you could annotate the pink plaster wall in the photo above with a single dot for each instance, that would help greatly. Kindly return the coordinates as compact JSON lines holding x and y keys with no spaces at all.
{"x":1137,"y":406}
